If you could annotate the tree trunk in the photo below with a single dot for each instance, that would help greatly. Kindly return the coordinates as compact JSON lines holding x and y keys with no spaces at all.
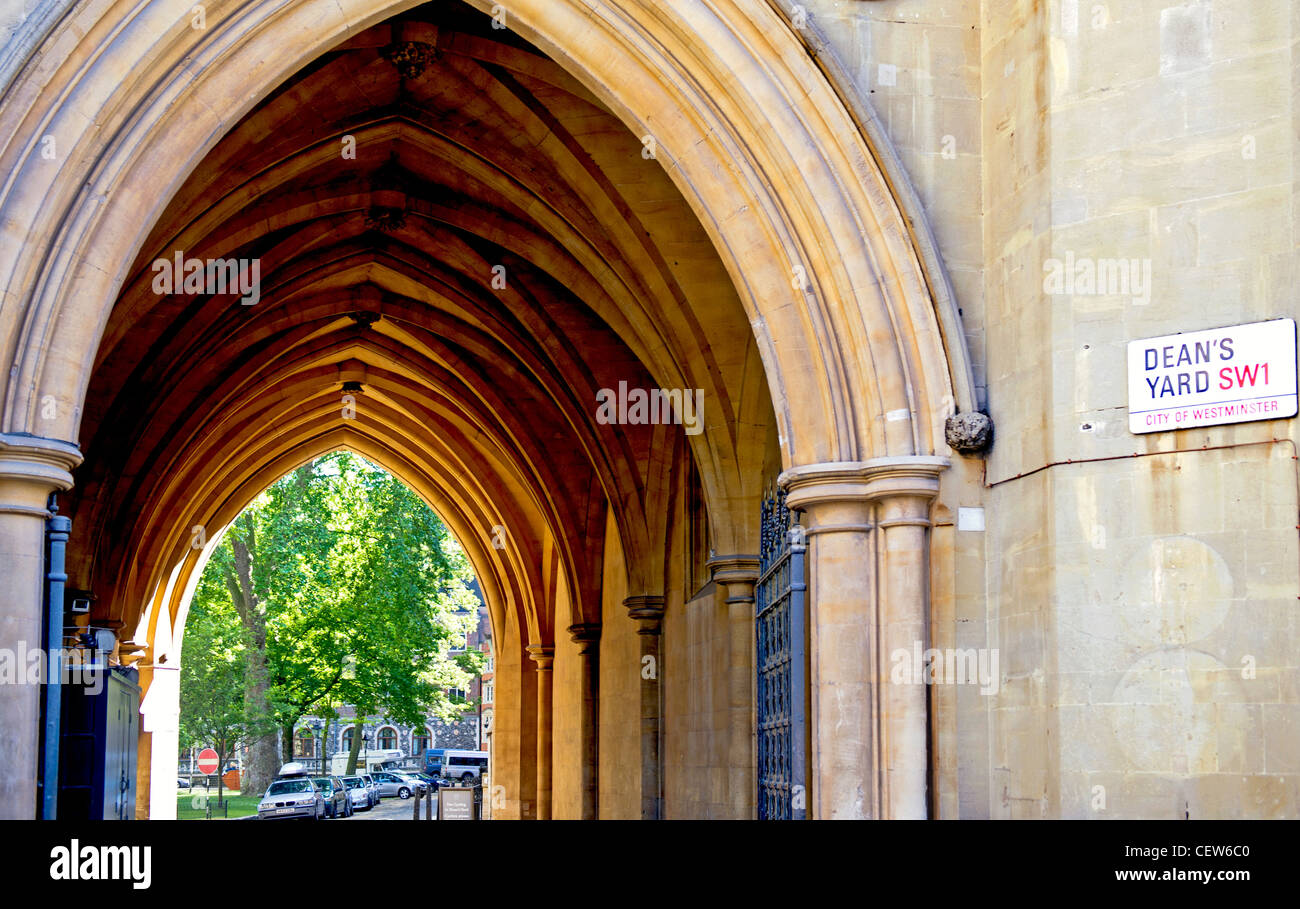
{"x":263,"y":763}
{"x":223,"y":755}
{"x":263,"y":755}
{"x":324,"y":748}
{"x":286,"y":742}
{"x":356,"y":745}
{"x":221,"y":781}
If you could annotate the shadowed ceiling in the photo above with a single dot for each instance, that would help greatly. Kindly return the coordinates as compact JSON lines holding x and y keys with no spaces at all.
{"x":499,"y":248}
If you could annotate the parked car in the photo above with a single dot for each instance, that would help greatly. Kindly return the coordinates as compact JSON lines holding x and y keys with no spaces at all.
{"x":393,"y":783}
{"x":292,"y":797}
{"x":432,"y":782}
{"x":359,"y":792}
{"x":465,"y":766}
{"x":421,"y":784}
{"x":373,"y":785}
{"x":292,"y":770}
{"x":182,"y":783}
{"x":335,"y":794}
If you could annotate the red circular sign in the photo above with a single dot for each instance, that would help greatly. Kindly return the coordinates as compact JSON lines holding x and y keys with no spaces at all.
{"x":208,"y":761}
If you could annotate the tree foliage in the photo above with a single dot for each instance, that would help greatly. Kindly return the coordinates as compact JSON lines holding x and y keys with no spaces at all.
{"x":337,"y":585}
{"x":212,"y":713}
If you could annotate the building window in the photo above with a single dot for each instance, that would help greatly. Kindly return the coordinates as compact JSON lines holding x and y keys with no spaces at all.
{"x":420,"y":740}
{"x":387,"y":737}
{"x":304,"y":744}
{"x":347,"y":739}
{"x":487,"y":692}
{"x":456,"y":694}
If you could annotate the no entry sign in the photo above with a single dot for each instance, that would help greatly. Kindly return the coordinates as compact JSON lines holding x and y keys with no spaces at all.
{"x":1208,"y":378}
{"x":208,"y":761}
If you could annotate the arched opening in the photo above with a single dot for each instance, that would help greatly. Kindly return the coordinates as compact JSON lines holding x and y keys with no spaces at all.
{"x":336,"y":594}
{"x":466,"y":258}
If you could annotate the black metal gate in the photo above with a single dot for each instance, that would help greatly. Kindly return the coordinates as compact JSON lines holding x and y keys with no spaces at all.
{"x":780,"y":622}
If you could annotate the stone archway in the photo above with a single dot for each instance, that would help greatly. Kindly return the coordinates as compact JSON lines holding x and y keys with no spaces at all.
{"x":759,"y":144}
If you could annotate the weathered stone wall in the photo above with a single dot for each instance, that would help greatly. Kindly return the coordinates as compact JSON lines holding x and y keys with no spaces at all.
{"x":695,"y":708}
{"x":696,"y":704}
{"x":1139,"y":591}
{"x":1131,"y":600}
{"x":459,"y":733}
{"x":917,"y":66}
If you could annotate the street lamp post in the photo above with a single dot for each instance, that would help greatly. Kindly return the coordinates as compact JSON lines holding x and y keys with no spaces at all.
{"x":318,"y":730}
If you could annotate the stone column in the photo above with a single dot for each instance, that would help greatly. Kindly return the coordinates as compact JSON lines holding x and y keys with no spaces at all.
{"x":30,"y":469}
{"x":514,"y":731}
{"x":867,"y":531}
{"x":903,"y":526}
{"x":738,"y":574}
{"x":648,"y":613}
{"x":543,"y":656}
{"x":587,"y":637}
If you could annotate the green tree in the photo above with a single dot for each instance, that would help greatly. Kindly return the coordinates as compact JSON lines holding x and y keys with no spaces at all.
{"x":348,"y":589}
{"x":212,"y":678}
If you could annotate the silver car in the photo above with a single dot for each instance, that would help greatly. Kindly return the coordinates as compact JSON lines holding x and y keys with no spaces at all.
{"x":294,"y":797}
{"x":393,"y":783}
{"x":420,"y":783}
{"x":359,"y":792}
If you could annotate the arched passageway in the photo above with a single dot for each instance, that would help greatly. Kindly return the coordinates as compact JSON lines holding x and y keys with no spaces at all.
{"x":467,"y":239}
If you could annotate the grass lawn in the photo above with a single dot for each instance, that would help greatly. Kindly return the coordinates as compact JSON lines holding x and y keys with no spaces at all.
{"x":190,"y":804}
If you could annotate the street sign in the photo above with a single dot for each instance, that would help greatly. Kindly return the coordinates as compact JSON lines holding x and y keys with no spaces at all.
{"x":1208,"y":378}
{"x":455,"y":804}
{"x":208,"y":761}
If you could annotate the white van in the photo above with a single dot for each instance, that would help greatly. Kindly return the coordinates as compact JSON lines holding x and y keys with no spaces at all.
{"x":465,"y":766}
{"x":368,"y":761}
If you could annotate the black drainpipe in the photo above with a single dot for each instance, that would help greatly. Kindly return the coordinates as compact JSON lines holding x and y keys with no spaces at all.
{"x":57,"y":531}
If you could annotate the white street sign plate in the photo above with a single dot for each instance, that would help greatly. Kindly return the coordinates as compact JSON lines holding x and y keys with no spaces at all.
{"x":1208,"y":378}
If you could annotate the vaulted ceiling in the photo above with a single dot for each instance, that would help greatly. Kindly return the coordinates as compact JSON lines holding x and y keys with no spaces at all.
{"x":459,"y":242}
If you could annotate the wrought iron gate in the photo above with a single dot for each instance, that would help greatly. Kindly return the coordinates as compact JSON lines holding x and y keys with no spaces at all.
{"x":779,"y":619}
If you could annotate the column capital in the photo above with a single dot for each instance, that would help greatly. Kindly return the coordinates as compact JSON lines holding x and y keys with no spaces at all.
{"x":839,"y":496}
{"x":738,"y":573}
{"x":31,"y":467}
{"x":647,"y":611}
{"x":837,"y":481}
{"x":727,"y":568}
{"x":542,"y":655}
{"x":586,"y":633}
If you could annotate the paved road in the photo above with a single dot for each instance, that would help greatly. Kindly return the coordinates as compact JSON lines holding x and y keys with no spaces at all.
{"x":392,"y":809}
